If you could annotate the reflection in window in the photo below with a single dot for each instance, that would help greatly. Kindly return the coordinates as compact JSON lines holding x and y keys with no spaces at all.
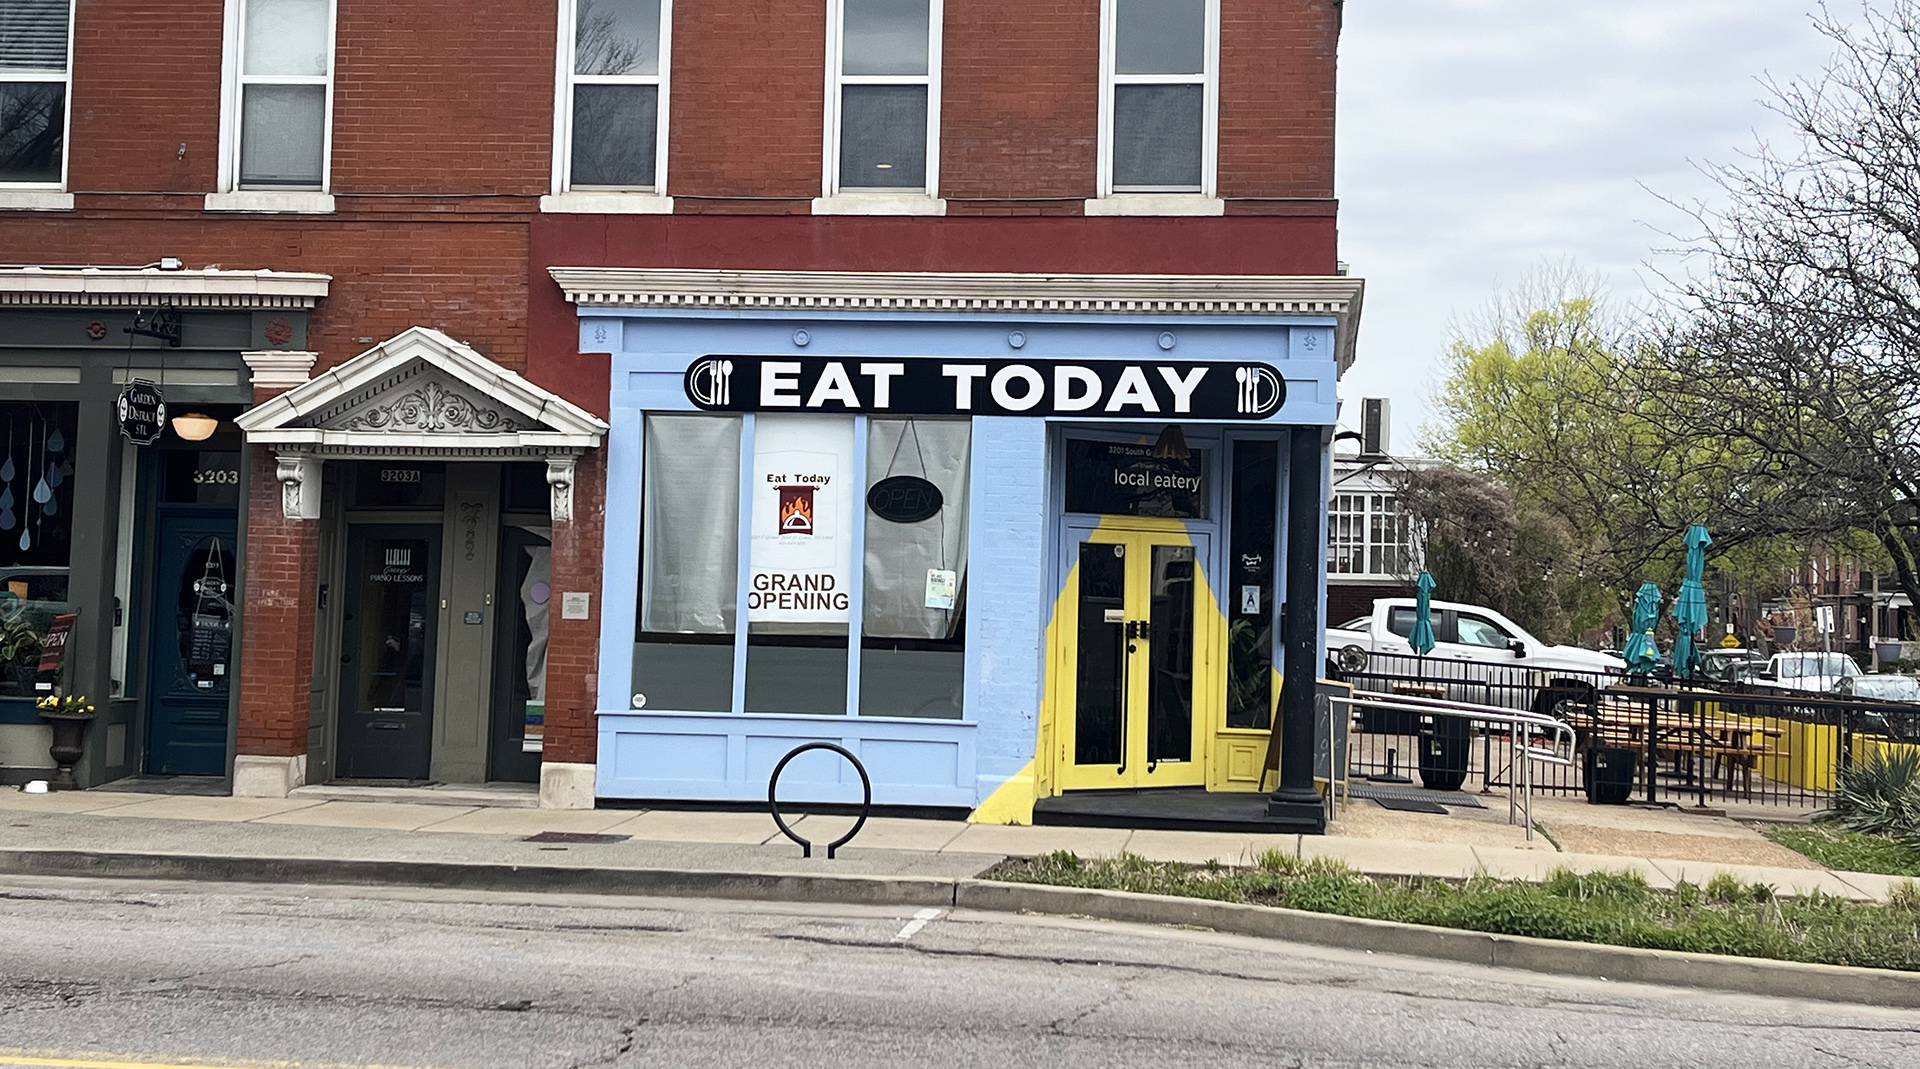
{"x":1254,"y":511}
{"x":615,"y":87}
{"x":36,"y":509}
{"x":913,"y":652}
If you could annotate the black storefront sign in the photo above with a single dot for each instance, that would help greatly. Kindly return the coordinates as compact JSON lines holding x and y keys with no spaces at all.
{"x":904,"y":499}
{"x":909,"y":386}
{"x":143,"y":414}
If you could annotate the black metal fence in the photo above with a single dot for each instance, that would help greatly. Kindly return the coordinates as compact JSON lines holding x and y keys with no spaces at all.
{"x":1692,"y":746}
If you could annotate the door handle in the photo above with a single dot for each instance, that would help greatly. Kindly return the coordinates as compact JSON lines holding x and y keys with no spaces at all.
{"x":346,"y":658}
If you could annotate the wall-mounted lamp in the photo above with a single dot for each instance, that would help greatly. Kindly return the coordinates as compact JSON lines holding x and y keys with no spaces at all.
{"x":195,"y":426}
{"x":1172,"y":444}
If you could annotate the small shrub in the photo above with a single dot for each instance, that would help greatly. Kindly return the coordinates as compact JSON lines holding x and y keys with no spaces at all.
{"x":1881,"y":795}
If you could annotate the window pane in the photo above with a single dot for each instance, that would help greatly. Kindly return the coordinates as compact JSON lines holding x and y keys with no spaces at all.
{"x":908,"y":679}
{"x":33,"y":35}
{"x":1160,"y":36}
{"x":281,"y":133}
{"x":614,"y":127}
{"x":902,"y":559}
{"x":617,"y":37}
{"x":885,"y":37}
{"x":883,"y":136}
{"x":1156,"y":136}
{"x":690,"y":524}
{"x":805,"y":502}
{"x":1253,"y":512}
{"x":36,"y":510}
{"x":33,"y":118}
{"x":287,"y":37}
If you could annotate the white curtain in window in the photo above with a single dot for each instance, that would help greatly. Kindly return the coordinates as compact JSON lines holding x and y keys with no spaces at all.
{"x":899,"y":555}
{"x":690,"y":524}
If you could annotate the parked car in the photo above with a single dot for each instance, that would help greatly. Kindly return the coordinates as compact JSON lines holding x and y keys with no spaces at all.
{"x":1904,"y":690}
{"x":1722,"y":665}
{"x":1820,"y":672}
{"x":1482,"y":655}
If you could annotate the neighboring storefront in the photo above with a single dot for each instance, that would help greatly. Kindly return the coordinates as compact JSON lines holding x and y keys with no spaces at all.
{"x":136,"y":545}
{"x":1001,"y":536}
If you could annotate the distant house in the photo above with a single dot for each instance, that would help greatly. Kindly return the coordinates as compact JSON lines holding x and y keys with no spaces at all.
{"x":1372,"y":551}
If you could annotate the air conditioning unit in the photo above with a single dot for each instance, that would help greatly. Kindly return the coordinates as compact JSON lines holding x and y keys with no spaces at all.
{"x":1376,"y":424}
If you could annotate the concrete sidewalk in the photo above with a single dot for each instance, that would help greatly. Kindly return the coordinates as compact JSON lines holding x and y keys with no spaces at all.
{"x":1370,"y":840}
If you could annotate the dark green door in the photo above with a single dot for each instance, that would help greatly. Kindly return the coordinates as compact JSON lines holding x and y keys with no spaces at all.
{"x":191,"y":652}
{"x":387,"y":646}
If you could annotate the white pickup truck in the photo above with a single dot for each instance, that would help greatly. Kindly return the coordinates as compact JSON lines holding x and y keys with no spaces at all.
{"x":1481,"y":655}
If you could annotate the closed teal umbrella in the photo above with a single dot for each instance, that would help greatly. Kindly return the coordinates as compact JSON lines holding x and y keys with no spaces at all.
{"x":1690,"y":608}
{"x":1642,"y":653}
{"x":1422,"y":637}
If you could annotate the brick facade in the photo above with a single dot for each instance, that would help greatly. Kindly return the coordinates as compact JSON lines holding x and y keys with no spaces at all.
{"x":276,"y":636}
{"x":573,"y":679}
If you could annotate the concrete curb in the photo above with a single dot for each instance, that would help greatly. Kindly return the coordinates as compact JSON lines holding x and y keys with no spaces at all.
{"x":1752,"y":976}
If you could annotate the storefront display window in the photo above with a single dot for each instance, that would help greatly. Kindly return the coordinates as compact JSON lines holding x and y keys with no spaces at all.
{"x":36,"y":509}
{"x":1122,"y":479}
{"x":913,"y":598}
{"x":807,"y":492}
{"x":1256,"y":500}
{"x":689,"y":546}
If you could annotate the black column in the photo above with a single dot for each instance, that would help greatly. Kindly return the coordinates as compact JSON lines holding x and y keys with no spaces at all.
{"x":1296,"y":802}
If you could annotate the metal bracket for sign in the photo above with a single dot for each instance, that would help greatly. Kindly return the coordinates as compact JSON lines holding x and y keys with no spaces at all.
{"x":161,"y":323}
{"x":866,"y":797}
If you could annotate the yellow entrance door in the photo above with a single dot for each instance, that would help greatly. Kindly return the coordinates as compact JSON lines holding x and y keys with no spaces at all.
{"x":1129,"y":712}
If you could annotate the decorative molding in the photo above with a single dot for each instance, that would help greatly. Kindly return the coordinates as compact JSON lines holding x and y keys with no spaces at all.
{"x":299,"y":475}
{"x":120,"y":287}
{"x":1336,"y":296}
{"x":280,"y":369}
{"x":560,"y":485}
{"x":433,"y":407}
{"x":35,"y":200}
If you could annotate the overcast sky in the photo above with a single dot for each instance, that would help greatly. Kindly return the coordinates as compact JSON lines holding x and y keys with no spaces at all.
{"x":1481,"y":138}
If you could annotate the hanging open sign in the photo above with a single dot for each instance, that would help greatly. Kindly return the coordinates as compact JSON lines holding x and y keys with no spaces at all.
{"x":143,"y":412}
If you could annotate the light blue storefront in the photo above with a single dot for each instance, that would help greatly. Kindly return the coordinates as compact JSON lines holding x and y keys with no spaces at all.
{"x":1009,"y":521}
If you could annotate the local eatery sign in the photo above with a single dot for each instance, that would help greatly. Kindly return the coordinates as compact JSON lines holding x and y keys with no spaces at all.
{"x":1117,"y":389}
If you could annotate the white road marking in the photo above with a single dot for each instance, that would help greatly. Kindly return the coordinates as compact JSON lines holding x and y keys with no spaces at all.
{"x":918,"y":922}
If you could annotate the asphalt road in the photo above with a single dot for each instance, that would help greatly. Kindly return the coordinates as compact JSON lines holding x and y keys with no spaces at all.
{"x":113,"y":974}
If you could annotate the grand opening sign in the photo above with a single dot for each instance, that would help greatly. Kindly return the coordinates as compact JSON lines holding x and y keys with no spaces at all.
{"x":1086,"y":389}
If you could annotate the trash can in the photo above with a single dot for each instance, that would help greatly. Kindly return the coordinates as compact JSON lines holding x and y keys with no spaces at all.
{"x":1445,"y":744}
{"x":1609,"y":772}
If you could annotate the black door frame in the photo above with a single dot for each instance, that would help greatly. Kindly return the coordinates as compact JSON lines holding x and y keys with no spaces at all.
{"x":347,"y":672}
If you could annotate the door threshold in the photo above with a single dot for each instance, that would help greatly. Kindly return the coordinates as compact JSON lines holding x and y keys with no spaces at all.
{"x":486,"y":795}
{"x":1162,"y":808}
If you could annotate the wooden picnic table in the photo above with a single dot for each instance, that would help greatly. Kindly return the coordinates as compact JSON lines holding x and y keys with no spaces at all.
{"x":1649,"y":722}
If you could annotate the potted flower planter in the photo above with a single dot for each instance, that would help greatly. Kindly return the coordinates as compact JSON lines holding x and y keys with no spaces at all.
{"x":70,"y":717}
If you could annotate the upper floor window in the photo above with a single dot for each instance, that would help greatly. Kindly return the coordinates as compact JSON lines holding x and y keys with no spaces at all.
{"x":612,"y":90}
{"x":882,"y":58}
{"x":1158,"y":104}
{"x":282,"y":55}
{"x":35,"y":41}
{"x":1369,"y":534}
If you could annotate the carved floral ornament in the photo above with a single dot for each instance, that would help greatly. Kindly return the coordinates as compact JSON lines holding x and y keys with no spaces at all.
{"x":431,"y":408}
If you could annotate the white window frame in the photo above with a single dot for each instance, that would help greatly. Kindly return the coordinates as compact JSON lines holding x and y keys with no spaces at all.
{"x":1379,"y":517}
{"x":232,"y":84}
{"x":1209,"y":79}
{"x":830,"y":188}
{"x":64,"y":78}
{"x":642,"y":199}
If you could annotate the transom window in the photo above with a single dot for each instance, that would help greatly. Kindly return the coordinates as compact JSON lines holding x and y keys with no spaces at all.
{"x":35,"y":53}
{"x":612,"y":95}
{"x":883,"y":57}
{"x":283,"y":56}
{"x":1157,"y":114}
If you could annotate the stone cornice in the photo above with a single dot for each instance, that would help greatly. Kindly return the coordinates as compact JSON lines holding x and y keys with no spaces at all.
{"x":111,"y":287}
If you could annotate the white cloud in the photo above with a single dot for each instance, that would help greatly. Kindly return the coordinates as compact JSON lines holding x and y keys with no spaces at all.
{"x":1480,"y":138}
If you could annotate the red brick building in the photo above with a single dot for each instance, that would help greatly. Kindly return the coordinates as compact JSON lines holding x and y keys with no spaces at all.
{"x":359,"y":210}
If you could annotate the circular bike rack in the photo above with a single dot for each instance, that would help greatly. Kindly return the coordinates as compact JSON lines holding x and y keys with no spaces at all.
{"x":866,"y":796}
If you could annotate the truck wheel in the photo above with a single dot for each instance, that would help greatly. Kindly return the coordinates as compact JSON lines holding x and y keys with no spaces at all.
{"x":1350,"y":659}
{"x":1549,"y":701}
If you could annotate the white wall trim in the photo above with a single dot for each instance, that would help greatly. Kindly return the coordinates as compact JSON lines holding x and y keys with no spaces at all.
{"x":137,"y":287}
{"x":280,"y":369}
{"x":292,"y":202}
{"x":879,"y":204}
{"x":1155,"y":204}
{"x":34,"y":200}
{"x":610,"y":202}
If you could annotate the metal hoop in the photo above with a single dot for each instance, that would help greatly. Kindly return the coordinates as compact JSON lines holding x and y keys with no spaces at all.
{"x":866,"y":800}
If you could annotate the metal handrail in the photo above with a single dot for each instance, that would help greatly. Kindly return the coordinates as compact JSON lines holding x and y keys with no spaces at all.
{"x":1520,"y":738}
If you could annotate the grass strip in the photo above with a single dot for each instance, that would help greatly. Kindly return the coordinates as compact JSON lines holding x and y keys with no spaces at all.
{"x":1849,"y":851}
{"x":1725,"y":916}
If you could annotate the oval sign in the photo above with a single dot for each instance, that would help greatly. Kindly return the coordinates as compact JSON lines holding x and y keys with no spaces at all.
{"x":904,"y":499}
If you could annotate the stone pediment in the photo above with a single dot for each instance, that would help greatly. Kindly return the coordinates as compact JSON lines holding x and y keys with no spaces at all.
{"x":416,"y":399}
{"x":424,"y":394}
